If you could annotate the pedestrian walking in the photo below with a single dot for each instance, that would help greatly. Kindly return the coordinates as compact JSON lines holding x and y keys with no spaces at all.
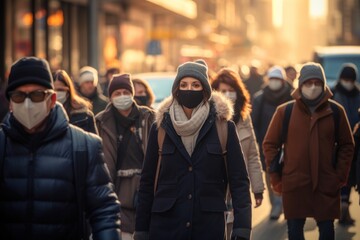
{"x":318,"y":151}
{"x":255,"y":81}
{"x":183,"y":183}
{"x":89,"y":88}
{"x":108,"y":76}
{"x":347,"y":94}
{"x":52,"y":173}
{"x":77,"y":108}
{"x":228,"y":82}
{"x":144,"y":95}
{"x":124,"y":128}
{"x":264,"y":105}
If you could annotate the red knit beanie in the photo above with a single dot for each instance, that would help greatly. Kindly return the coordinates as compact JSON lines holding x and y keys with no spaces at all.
{"x":121,"y":81}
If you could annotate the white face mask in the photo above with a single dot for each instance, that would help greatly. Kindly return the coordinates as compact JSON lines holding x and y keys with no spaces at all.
{"x":123,"y":102}
{"x":312,"y":92}
{"x":30,"y":114}
{"x":275,"y":84}
{"x":61,"y":96}
{"x":347,"y":85}
{"x":230,"y":95}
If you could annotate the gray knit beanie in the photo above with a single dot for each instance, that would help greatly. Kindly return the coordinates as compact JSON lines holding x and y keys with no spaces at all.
{"x":198,"y":70}
{"x":311,"y":70}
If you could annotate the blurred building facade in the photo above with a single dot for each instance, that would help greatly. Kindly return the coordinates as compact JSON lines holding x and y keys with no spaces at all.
{"x":157,"y":35}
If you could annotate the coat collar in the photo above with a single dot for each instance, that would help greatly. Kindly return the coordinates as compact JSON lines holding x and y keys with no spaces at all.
{"x":220,"y":107}
{"x":223,"y":107}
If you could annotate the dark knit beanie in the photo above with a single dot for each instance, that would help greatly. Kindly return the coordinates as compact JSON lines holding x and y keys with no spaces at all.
{"x":198,"y":70}
{"x":29,"y":70}
{"x":349,"y":71}
{"x":311,"y":70}
{"x":121,"y":81}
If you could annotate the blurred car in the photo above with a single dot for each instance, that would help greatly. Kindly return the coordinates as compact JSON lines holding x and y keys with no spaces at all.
{"x":160,"y":82}
{"x":333,"y":57}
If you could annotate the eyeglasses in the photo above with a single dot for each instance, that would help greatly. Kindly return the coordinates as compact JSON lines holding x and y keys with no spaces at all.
{"x":35,"y":96}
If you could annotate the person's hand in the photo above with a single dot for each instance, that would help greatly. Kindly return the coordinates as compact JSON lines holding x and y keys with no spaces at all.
{"x":258,"y":199}
{"x":276,"y":184}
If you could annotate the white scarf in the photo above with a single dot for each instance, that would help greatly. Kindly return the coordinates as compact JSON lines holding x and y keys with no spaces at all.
{"x":188,"y":129}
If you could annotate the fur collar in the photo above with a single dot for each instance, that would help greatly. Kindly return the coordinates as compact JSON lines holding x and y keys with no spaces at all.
{"x":223,"y":107}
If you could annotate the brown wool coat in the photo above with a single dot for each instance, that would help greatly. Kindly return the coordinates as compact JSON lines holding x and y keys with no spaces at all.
{"x":310,"y":184}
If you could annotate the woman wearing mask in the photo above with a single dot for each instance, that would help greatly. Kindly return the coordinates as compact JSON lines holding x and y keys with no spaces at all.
{"x":77,"y":108}
{"x":229,"y":83}
{"x":264,"y":105}
{"x":144,"y":95}
{"x":185,"y":199}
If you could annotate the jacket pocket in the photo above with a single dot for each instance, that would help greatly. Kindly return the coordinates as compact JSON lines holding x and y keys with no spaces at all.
{"x":212,"y":204}
{"x":168,"y":149}
{"x":127,"y":190}
{"x":214,"y":148}
{"x":162,"y":204}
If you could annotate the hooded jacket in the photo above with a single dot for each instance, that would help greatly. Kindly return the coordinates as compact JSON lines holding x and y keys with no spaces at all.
{"x":308,"y":173}
{"x":189,"y":199}
{"x":37,"y":188}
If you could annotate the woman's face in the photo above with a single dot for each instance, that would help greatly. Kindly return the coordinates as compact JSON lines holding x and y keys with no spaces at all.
{"x":223,"y":87}
{"x":190,"y":83}
{"x":60,"y":86}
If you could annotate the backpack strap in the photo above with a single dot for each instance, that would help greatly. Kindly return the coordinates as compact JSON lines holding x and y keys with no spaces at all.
{"x":221,"y":128}
{"x":284,"y":130}
{"x":161,"y":137}
{"x":2,"y":152}
{"x":80,"y":165}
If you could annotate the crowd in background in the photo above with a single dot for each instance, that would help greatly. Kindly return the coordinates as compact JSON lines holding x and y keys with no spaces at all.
{"x":119,"y":110}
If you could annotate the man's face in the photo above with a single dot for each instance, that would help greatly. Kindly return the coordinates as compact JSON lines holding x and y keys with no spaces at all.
{"x":28,"y":88}
{"x":87,"y":88}
{"x":31,"y":104}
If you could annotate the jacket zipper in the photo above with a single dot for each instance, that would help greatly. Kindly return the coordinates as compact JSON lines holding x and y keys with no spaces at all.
{"x":30,"y":193}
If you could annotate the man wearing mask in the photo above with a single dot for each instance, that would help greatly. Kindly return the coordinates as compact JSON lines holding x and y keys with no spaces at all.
{"x":124,"y":128}
{"x":348,"y":95}
{"x":264,"y":105}
{"x":314,"y":168}
{"x":89,"y":88}
{"x":40,"y":194}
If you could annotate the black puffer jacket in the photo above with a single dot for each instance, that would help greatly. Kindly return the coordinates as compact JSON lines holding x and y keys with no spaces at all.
{"x":37,"y":193}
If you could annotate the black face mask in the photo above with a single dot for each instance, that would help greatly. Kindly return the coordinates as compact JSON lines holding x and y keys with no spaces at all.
{"x":141,"y":100}
{"x":190,"y":98}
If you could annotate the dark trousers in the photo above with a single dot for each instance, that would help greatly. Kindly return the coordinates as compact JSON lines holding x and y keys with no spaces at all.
{"x":296,"y":229}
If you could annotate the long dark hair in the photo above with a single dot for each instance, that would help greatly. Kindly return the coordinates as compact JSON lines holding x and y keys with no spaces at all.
{"x":242,"y":106}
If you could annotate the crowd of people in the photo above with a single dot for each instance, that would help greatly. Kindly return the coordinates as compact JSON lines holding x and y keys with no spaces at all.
{"x":80,"y":159}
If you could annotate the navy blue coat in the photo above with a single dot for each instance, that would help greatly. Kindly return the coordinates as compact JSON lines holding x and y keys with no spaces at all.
{"x":37,"y":192}
{"x":189,"y":200}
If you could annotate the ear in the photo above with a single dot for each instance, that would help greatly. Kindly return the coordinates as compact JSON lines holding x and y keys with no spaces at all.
{"x":53,"y":100}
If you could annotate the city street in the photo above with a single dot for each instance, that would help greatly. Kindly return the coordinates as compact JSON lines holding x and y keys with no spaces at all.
{"x":264,"y":228}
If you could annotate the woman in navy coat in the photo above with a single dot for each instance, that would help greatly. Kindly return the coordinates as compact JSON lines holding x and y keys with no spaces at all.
{"x":189,"y":201}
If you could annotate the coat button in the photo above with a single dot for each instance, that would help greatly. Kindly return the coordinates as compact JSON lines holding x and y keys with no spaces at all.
{"x":189,"y":196}
{"x":190,"y":169}
{"x":188,"y":224}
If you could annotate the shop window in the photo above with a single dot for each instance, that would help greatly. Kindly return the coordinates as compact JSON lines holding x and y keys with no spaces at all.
{"x":23,"y":20}
{"x":55,"y":24}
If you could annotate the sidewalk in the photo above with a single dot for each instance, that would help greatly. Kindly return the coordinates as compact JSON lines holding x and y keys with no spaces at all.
{"x":264,"y":228}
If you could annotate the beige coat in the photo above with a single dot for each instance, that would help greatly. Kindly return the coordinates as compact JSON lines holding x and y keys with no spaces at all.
{"x":251,"y":154}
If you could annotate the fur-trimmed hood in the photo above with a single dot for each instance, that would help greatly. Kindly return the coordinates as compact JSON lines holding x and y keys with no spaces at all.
{"x":223,"y":107}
